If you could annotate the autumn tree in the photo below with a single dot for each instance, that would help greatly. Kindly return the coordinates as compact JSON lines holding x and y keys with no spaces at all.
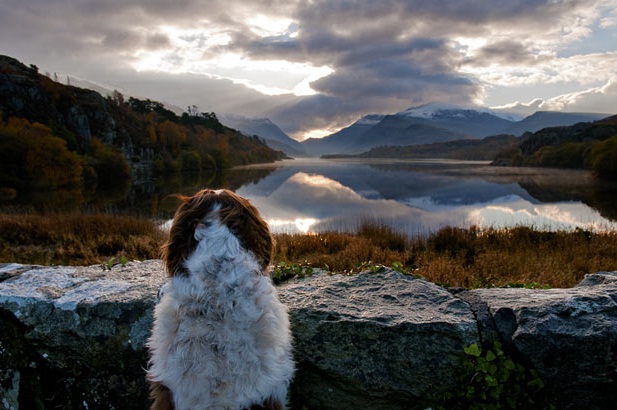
{"x":172,"y":136}
{"x":603,"y":156}
{"x":31,"y":155}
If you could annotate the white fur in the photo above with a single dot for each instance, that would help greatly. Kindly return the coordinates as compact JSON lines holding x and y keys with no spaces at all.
{"x":221,"y":337}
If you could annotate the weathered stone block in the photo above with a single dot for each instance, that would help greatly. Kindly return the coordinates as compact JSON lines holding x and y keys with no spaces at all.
{"x":74,"y":337}
{"x":568,"y":335}
{"x":375,"y":340}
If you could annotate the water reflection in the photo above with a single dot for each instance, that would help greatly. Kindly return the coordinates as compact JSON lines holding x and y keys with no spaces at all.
{"x":415,"y":197}
{"x":419,"y":197}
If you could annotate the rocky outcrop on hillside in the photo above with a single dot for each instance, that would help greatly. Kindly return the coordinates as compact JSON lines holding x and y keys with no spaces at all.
{"x":148,"y":136}
{"x":25,"y":93}
{"x":74,"y":337}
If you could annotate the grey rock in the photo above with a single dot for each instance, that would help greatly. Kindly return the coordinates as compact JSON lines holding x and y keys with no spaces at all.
{"x":74,"y":337}
{"x":600,"y":278}
{"x":379,"y":341}
{"x":568,"y":335}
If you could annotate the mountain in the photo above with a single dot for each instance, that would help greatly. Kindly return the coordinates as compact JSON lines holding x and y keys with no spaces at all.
{"x":436,"y":111}
{"x":266,"y":129}
{"x":339,"y":141}
{"x":466,"y":149}
{"x":433,"y":123}
{"x":545,"y":119}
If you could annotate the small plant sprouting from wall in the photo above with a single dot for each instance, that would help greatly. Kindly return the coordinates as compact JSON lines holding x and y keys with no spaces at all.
{"x":492,"y":380}
{"x":113,"y":261}
{"x":284,"y":271}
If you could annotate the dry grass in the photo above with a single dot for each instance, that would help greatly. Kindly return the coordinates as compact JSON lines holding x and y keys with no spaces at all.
{"x":76,"y":239}
{"x":453,"y":257}
{"x":468,"y":258}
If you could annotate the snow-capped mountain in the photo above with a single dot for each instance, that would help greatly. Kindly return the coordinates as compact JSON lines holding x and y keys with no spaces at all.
{"x":436,"y":111}
{"x":266,"y":129}
{"x":436,"y":122}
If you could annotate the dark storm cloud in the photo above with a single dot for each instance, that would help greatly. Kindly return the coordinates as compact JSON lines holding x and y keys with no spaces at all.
{"x":507,"y":52}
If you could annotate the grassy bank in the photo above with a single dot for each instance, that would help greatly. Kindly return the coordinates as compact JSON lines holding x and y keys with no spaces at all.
{"x":76,"y":239}
{"x":454,"y":257}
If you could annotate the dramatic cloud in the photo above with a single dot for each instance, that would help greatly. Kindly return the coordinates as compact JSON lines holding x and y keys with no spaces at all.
{"x":322,"y":64}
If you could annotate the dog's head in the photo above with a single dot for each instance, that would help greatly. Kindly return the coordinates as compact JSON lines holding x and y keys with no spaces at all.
{"x":231,"y":210}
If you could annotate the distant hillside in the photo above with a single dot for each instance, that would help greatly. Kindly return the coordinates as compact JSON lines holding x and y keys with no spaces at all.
{"x":265,"y":129}
{"x":103,"y":140}
{"x":468,"y":149}
{"x":583,"y":145}
{"x":433,"y":123}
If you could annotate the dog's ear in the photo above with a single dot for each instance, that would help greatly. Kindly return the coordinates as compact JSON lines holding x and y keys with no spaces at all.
{"x":181,"y":241}
{"x":243,"y":219}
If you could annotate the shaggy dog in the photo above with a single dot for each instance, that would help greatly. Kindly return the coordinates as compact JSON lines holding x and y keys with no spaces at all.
{"x":221,"y":337}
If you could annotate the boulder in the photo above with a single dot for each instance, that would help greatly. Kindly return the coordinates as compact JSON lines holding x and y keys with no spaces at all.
{"x":375,"y":340}
{"x":74,"y":337}
{"x":568,"y":335}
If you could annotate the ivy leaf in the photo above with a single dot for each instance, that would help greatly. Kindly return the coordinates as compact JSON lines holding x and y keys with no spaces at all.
{"x":473,"y":350}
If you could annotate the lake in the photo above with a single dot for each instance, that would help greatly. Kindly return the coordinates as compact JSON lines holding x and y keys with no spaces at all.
{"x":418,"y":197}
{"x":415,"y":197}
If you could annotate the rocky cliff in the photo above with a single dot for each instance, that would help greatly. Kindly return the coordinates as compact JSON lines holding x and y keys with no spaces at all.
{"x":74,"y":337}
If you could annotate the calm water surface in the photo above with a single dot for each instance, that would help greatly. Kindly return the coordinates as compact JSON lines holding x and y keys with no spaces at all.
{"x":418,"y":197}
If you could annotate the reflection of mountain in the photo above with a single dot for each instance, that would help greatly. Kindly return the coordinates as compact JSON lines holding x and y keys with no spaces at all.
{"x":412,"y":197}
{"x":395,"y":182}
{"x":601,"y":195}
{"x":154,"y":198}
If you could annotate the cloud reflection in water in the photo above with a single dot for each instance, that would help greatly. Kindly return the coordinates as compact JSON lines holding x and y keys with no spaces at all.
{"x":316,"y":196}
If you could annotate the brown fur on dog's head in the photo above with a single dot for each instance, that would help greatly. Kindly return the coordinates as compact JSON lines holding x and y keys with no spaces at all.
{"x":235,"y":212}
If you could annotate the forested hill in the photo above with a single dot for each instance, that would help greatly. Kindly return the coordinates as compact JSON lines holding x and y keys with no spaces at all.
{"x":590,"y":145}
{"x":54,"y":135}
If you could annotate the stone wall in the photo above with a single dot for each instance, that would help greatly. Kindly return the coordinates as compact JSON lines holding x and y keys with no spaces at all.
{"x":74,"y":337}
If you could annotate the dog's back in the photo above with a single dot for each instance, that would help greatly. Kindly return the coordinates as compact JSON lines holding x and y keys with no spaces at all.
{"x":221,"y":338}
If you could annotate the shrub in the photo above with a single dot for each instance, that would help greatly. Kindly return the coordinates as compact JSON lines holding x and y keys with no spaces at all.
{"x":31,"y":157}
{"x":109,"y":163}
{"x":493,"y":380}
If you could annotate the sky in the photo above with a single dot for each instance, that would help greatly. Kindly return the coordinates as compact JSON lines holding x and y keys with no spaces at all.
{"x":315,"y":66}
